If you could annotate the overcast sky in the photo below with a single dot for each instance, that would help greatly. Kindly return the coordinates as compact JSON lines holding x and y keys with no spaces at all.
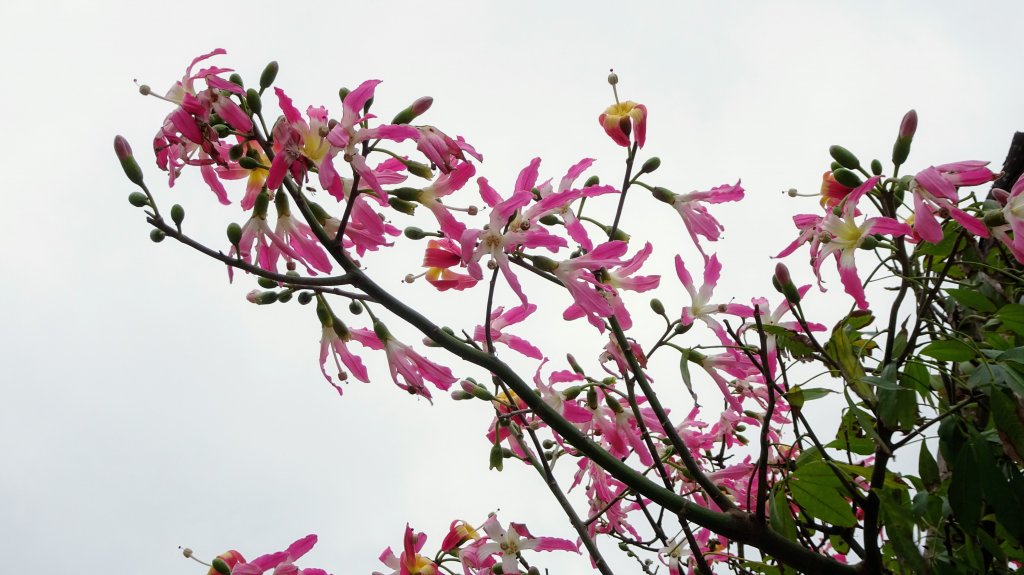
{"x":147,"y":405}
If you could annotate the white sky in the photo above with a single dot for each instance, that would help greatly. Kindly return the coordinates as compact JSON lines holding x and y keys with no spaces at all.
{"x":145,"y":404}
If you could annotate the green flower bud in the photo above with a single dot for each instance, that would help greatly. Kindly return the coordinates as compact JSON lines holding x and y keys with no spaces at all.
{"x":305,"y":297}
{"x":549,"y":220}
{"x":406,"y":193}
{"x":235,"y":152}
{"x":592,"y":398}
{"x":402,"y":206}
{"x":657,"y":307}
{"x":223,"y":130}
{"x":994,"y":218}
{"x":236,"y":79}
{"x":572,"y":392}
{"x":592,"y":181}
{"x":268,"y":76}
{"x":177,"y":214}
{"x":650,"y":165}
{"x":138,"y":199}
{"x":355,"y":308}
{"x":876,"y":168}
{"x":285,"y":296}
{"x":252,"y":97}
{"x":416,"y":109}
{"x":343,"y":93}
{"x":497,"y":459}
{"x":459,"y":395}
{"x":835,"y":166}
{"x":847,"y":178}
{"x":266,"y":283}
{"x":845,"y":157}
{"x":783,"y":282}
{"x":157,"y":236}
{"x":261,"y":297}
{"x":613,"y":403}
{"x":868,"y":243}
{"x":545,"y":263}
{"x":234,"y":233}
{"x":414,"y":233}
{"x":900,"y":151}
{"x":250,"y":163}
{"x":418,"y":169}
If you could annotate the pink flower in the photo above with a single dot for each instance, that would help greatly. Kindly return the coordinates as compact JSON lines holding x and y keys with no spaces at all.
{"x":448,"y":182}
{"x":282,"y":562}
{"x":935,"y":189}
{"x":1013,"y":213}
{"x":269,"y":246}
{"x":592,"y":297}
{"x":411,"y":562}
{"x":700,"y":300}
{"x":572,"y":224}
{"x":832,"y":192}
{"x":845,"y":235}
{"x":508,"y":543}
{"x":413,"y":368}
{"x":696,"y":218}
{"x":500,"y":319}
{"x":297,"y":142}
{"x":334,"y":342}
{"x":441,"y":255}
{"x":622,"y":119}
{"x":441,"y":150}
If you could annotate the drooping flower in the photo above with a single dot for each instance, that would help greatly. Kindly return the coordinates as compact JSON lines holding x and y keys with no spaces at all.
{"x":411,"y":367}
{"x":935,"y":190}
{"x":501,"y":319}
{"x":334,"y":341}
{"x":282,"y":562}
{"x":1013,"y":214}
{"x":623,"y":119}
{"x":696,"y":218}
{"x":573,"y":225}
{"x":441,"y":255}
{"x":700,"y":300}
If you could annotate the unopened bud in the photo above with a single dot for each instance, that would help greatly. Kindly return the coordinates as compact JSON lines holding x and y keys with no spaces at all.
{"x":544,"y":263}
{"x":876,"y":168}
{"x":235,"y":152}
{"x":414,"y":110}
{"x":592,"y":398}
{"x":343,"y":93}
{"x":402,"y":206}
{"x":497,"y":459}
{"x":124,"y":154}
{"x":592,"y":181}
{"x":157,"y":236}
{"x":252,"y":97}
{"x":908,"y":126}
{"x":406,"y":193}
{"x":783,"y":282}
{"x":459,"y":395}
{"x":845,"y":157}
{"x":266,"y":283}
{"x":613,"y":403}
{"x":304,"y":298}
{"x":234,"y":233}
{"x":834,"y":166}
{"x":549,"y":220}
{"x":355,"y":308}
{"x":223,"y":130}
{"x":657,"y":307}
{"x":572,"y":392}
{"x":418,"y":169}
{"x":868,"y":243}
{"x":269,"y":75}
{"x":477,"y":391}
{"x":261,"y":297}
{"x":650,"y":165}
{"x":177,"y":214}
{"x":250,"y":163}
{"x":138,"y":199}
{"x":847,"y":178}
{"x":573,"y":364}
{"x":236,"y":79}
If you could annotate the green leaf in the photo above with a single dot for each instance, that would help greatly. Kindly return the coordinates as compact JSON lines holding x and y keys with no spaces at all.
{"x":899,"y":525}
{"x":1012,"y":316}
{"x":964,"y":494}
{"x":973,"y":299}
{"x":781,"y":518}
{"x":949,"y":350}
{"x":795,"y":344}
{"x":996,"y":489}
{"x":815,"y":488}
{"x":1006,"y":415}
{"x":915,"y":376}
{"x":928,"y":469}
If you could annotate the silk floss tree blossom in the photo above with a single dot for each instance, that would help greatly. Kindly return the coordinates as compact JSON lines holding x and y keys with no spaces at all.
{"x":744,"y":484}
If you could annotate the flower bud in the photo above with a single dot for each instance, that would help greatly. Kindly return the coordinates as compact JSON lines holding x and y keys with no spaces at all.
{"x":545,"y":264}
{"x":845,"y":157}
{"x":497,"y":459}
{"x":304,"y":298}
{"x":418,"y":169}
{"x":124,"y":154}
{"x":355,"y":308}
{"x":234,"y":233}
{"x":261,"y":297}
{"x":876,"y":168}
{"x":592,"y":181}
{"x":269,"y":75}
{"x":476,"y":391}
{"x":650,"y":165}
{"x":908,"y":126}
{"x":612,"y":403}
{"x":868,"y":243}
{"x":1000,"y":195}
{"x":236,"y":79}
{"x":406,"y":193}
{"x":266,"y":283}
{"x":414,"y":110}
{"x":572,"y":392}
{"x":573,"y":364}
{"x":834,"y":166}
{"x":250,"y":163}
{"x":657,"y":306}
{"x":783,"y":282}
{"x":847,"y":178}
{"x":177,"y":215}
{"x":343,"y":93}
{"x":223,"y":130}
{"x":592,"y":398}
{"x":459,"y":395}
{"x":252,"y":98}
{"x":138,"y":199}
{"x":402,"y":206}
{"x":549,"y":220}
{"x":157,"y":236}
